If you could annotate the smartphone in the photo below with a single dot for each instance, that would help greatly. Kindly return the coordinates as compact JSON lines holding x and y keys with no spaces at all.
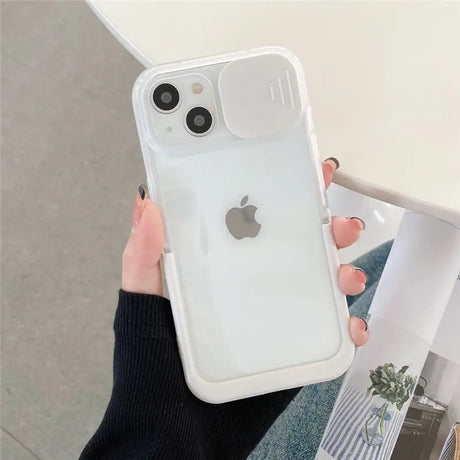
{"x":249,"y":258}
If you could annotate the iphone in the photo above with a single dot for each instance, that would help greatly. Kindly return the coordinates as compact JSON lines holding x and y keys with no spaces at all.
{"x":249,"y":257}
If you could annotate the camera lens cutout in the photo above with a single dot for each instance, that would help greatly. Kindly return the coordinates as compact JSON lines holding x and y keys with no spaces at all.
{"x":198,"y":120}
{"x":166,"y":97}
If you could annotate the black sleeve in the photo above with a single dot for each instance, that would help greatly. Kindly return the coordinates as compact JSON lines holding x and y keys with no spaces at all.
{"x":152,"y":414}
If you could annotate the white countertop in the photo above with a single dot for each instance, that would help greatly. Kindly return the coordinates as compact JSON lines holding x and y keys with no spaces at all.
{"x":384,"y":80}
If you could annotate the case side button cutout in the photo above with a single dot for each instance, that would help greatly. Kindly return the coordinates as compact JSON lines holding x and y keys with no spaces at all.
{"x":325,"y":212}
{"x":326,"y":216}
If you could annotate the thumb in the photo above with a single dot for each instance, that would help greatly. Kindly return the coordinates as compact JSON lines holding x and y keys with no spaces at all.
{"x":141,"y":258}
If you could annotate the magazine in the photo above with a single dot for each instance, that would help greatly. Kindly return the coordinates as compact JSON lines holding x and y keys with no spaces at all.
{"x":401,"y":397}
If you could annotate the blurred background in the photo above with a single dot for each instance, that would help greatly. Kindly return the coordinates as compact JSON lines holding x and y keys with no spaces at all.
{"x":71,"y":166}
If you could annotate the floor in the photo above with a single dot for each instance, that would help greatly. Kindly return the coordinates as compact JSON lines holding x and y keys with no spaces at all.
{"x":71,"y":167}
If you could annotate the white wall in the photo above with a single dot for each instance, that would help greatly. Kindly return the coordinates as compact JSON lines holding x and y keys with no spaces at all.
{"x":442,"y":376}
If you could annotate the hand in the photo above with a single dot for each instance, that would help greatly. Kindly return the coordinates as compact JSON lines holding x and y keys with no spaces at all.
{"x":141,"y":268}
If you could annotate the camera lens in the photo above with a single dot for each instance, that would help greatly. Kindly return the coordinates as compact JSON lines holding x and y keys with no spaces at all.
{"x":199,"y":120}
{"x":165,"y":97}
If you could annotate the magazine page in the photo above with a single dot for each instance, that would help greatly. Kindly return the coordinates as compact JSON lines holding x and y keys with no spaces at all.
{"x":401,"y":397}
{"x":434,"y":411}
{"x":375,"y":395}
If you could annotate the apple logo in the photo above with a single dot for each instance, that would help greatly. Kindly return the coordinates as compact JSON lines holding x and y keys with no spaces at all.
{"x":241,"y":222}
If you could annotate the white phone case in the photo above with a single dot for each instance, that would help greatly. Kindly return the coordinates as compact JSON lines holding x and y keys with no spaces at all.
{"x":249,"y":258}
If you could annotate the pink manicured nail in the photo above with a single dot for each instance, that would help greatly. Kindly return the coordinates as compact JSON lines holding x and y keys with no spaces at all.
{"x":361,"y":221}
{"x":335,"y":161}
{"x":363,"y":272}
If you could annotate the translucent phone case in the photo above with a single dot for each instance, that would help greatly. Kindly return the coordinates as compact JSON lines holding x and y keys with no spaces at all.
{"x":253,"y":313}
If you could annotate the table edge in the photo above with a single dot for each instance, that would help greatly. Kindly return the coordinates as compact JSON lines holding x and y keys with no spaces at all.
{"x":130,"y":47}
{"x":390,"y":196}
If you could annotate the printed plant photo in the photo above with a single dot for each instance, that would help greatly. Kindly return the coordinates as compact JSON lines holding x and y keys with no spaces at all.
{"x":366,"y":422}
{"x":393,"y":387}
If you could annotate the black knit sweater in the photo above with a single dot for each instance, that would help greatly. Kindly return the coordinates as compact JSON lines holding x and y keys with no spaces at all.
{"x":152,"y":414}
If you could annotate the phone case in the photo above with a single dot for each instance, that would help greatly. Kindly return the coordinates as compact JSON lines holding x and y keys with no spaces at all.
{"x":249,"y":258}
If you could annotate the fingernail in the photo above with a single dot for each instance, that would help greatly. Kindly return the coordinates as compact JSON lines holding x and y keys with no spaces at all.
{"x":139,"y":206}
{"x":337,"y":163}
{"x":363,"y":224}
{"x":365,"y":325}
{"x":363,"y":272}
{"x":142,"y":191}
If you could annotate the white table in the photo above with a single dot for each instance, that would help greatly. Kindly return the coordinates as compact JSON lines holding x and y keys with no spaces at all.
{"x":384,"y":82}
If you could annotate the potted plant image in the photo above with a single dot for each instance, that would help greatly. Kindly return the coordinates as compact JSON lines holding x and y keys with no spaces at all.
{"x":391,"y":388}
